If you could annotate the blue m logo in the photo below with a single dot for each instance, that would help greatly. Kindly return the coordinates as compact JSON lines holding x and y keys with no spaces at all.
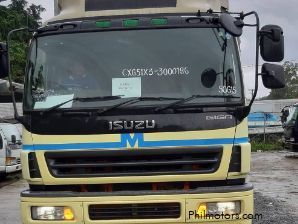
{"x":132,"y":140}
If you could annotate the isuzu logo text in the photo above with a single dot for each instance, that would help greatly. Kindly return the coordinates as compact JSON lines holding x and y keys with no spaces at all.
{"x":219,"y":117}
{"x":131,"y":125}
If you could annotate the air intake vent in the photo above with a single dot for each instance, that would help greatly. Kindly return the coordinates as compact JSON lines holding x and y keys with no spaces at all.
{"x":135,"y":211}
{"x":113,"y":163}
{"x":33,"y":166}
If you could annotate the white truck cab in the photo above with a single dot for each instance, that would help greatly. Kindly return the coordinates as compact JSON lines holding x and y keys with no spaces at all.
{"x":10,"y":148}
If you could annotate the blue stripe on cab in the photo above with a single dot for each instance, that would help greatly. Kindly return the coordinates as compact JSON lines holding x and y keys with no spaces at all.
{"x":128,"y":140}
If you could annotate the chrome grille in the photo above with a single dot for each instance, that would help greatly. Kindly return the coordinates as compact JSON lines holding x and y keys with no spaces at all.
{"x":134,"y":162}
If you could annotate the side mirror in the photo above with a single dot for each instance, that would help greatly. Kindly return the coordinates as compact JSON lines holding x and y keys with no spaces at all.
{"x":232,"y":25}
{"x":286,"y":113}
{"x":13,"y":139}
{"x":3,"y":61}
{"x":272,"y":43}
{"x":273,"y":76}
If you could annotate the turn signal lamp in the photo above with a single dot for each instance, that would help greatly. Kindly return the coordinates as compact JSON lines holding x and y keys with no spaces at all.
{"x":68,"y":214}
{"x":202,"y":209}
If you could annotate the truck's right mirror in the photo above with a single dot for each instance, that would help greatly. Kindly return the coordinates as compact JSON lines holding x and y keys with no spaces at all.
{"x":286,"y":113}
{"x":3,"y":61}
{"x":13,"y":139}
{"x":272,"y":43}
{"x":273,"y":76}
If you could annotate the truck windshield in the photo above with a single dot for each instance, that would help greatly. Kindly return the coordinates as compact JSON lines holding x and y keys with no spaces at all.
{"x":159,"y":63}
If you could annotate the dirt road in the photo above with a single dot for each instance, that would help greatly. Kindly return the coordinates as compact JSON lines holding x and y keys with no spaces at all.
{"x":275,"y":180}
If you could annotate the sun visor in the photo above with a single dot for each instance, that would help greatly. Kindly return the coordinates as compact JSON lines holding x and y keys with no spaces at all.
{"x":79,"y":9}
{"x":100,"y":5}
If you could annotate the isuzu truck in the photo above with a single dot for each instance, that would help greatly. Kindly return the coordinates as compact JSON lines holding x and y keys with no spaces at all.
{"x":134,"y":112}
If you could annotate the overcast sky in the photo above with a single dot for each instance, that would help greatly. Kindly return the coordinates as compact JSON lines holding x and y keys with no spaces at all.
{"x":280,"y":12}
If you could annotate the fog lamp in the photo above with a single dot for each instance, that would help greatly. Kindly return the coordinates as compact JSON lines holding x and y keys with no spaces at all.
{"x":213,"y":208}
{"x":52,"y":213}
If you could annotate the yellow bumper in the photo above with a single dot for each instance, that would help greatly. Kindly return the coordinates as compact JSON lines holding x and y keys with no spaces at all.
{"x":188,"y":202}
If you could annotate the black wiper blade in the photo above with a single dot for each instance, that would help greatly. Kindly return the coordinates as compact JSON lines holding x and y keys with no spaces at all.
{"x":81,"y":99}
{"x":135,"y":100}
{"x":185,"y":100}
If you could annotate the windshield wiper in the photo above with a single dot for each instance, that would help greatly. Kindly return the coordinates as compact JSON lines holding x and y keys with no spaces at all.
{"x":185,"y":100}
{"x":81,"y":99}
{"x":135,"y":100}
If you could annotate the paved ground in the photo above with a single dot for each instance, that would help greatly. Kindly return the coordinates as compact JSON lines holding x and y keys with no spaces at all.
{"x":274,"y":176}
{"x":275,"y":180}
{"x":10,"y":200}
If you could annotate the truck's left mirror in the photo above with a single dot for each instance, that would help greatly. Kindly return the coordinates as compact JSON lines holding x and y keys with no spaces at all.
{"x":3,"y":61}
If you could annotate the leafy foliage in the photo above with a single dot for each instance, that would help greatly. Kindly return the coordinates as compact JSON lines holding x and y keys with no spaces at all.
{"x":291,"y":89}
{"x":18,"y":14}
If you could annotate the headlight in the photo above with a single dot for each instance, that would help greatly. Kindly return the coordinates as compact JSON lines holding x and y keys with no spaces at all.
{"x":213,"y":208}
{"x":52,"y":213}
{"x":10,"y":161}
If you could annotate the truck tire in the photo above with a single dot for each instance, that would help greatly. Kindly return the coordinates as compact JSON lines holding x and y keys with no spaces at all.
{"x":3,"y":176}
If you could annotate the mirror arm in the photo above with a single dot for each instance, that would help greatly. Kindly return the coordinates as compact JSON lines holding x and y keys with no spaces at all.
{"x":12,"y":90}
{"x":244,"y":112}
{"x":258,"y":35}
{"x":257,"y":58}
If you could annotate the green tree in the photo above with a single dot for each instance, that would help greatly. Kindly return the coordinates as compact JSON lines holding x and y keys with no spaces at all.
{"x":291,"y":89}
{"x":17,"y":15}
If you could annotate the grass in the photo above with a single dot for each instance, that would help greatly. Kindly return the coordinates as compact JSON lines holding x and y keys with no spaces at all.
{"x":257,"y":146}
{"x":273,"y":143}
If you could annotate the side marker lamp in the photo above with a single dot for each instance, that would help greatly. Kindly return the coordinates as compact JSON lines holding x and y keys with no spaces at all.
{"x":159,"y":21}
{"x":130,"y":22}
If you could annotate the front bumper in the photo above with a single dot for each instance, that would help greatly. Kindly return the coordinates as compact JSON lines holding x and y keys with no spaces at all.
{"x":13,"y":168}
{"x":291,"y":146}
{"x":189,"y":202}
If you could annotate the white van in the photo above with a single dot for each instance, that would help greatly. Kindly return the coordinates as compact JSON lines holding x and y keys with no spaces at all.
{"x":10,"y":149}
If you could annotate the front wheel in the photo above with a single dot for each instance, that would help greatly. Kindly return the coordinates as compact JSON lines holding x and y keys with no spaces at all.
{"x":3,"y":176}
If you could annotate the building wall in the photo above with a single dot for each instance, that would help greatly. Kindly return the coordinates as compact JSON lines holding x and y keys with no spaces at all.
{"x":272,"y":106}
